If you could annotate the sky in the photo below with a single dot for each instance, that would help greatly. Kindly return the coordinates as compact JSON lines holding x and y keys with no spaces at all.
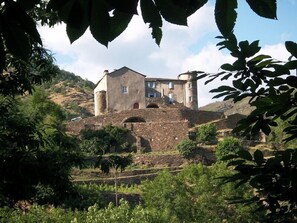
{"x":183,"y":48}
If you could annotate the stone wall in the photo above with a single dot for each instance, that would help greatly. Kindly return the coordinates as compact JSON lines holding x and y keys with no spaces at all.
{"x":229,"y":122}
{"x":152,"y":129}
{"x":159,"y":136}
{"x":201,"y":117}
{"x":148,"y":115}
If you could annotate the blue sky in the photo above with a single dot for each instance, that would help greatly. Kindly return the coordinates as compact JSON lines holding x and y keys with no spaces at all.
{"x":181,"y":49}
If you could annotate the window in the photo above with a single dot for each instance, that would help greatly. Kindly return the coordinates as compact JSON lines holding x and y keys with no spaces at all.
{"x":152,"y":95}
{"x":170,"y":85}
{"x":151,"y":84}
{"x":189,"y":85}
{"x":190,"y":98}
{"x":124,"y":89}
{"x":171,"y":98}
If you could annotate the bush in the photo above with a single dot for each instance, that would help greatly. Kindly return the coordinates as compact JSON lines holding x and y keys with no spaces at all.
{"x":38,"y":213}
{"x":187,"y":148}
{"x":229,"y":145}
{"x":207,"y":133}
{"x":196,"y":194}
{"x":102,"y":141}
{"x":36,"y":155}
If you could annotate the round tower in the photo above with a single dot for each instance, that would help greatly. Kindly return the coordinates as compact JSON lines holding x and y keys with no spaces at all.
{"x":190,"y":90}
{"x":100,"y":103}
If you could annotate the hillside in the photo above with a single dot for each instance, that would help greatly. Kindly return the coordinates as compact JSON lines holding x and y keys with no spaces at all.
{"x":228,"y":107}
{"x":72,"y":93}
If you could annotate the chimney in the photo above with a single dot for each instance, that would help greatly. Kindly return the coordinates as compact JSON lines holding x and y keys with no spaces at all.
{"x":105,"y":72}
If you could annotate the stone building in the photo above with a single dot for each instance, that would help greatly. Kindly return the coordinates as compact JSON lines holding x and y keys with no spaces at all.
{"x":157,"y":112}
{"x":126,"y":89}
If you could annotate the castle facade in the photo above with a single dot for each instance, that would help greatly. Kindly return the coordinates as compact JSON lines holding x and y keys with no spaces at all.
{"x":126,"y":89}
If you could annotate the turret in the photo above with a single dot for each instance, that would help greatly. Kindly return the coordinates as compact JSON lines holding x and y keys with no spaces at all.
{"x":100,"y":95}
{"x":190,"y":90}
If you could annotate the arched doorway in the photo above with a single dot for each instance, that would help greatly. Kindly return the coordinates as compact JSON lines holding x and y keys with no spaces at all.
{"x":136,"y":105}
{"x":152,"y":105}
{"x":134,"y":119}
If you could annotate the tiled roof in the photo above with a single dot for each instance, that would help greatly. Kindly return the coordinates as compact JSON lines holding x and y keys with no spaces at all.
{"x":162,"y":79}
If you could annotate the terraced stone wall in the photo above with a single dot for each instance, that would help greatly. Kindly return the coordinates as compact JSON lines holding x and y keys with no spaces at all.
{"x":159,"y":136}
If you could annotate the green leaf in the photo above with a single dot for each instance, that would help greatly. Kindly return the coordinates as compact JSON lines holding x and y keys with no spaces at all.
{"x":127,"y":6}
{"x":222,"y":88}
{"x":235,"y":162}
{"x":63,"y":8}
{"x":100,"y":22}
{"x":264,"y":8}
{"x":250,"y":83}
{"x":226,"y":77}
{"x":221,"y":95}
{"x":157,"y":35}
{"x":259,"y":58}
{"x":17,"y":13}
{"x":201,"y":75}
{"x":244,"y":154}
{"x":16,"y":39}
{"x":238,"y":84}
{"x":78,"y":20}
{"x":277,"y":82}
{"x":172,"y":12}
{"x":151,"y":15}
{"x":264,"y":63}
{"x":229,"y":157}
{"x":118,"y":23}
{"x":280,"y":69}
{"x":56,"y":5}
{"x":253,"y":49}
{"x":289,"y":114}
{"x":225,"y":16}
{"x":232,"y":96}
{"x":28,"y":4}
{"x":292,"y":81}
{"x":258,"y":157}
{"x":283,"y":88}
{"x":2,"y":56}
{"x":265,"y":128}
{"x":291,"y":64}
{"x":227,"y":67}
{"x":291,"y":47}
{"x":190,"y":6}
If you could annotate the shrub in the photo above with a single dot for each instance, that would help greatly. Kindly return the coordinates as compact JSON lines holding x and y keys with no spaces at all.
{"x":187,"y":148}
{"x":206,"y":133}
{"x":229,"y":145}
{"x":196,"y":194}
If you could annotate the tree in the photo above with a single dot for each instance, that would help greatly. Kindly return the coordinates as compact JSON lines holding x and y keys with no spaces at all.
{"x":197,"y":195}
{"x":108,"y":139}
{"x":36,"y":155}
{"x":187,"y":148}
{"x":271,"y":86}
{"x":227,"y":146}
{"x":277,"y":136}
{"x":104,"y":141}
{"x":206,"y":133}
{"x":105,"y":163}
{"x":272,"y":89}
